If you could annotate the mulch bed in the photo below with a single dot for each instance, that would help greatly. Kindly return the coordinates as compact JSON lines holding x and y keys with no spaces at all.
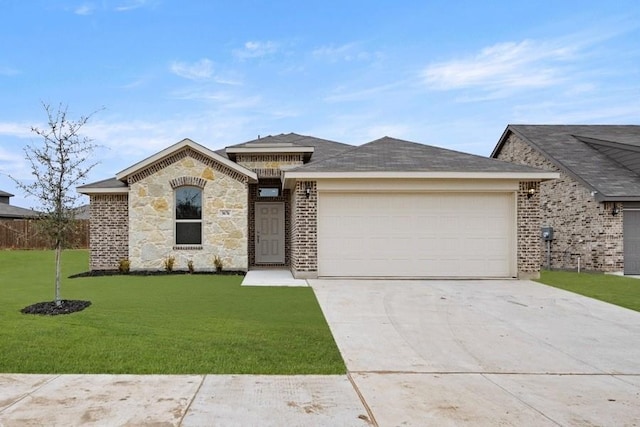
{"x":98,"y":273}
{"x":49,"y":308}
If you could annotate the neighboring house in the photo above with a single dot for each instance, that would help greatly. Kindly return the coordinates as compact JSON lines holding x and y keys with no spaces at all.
{"x":594,"y":208}
{"x":81,"y":212}
{"x":389,"y":208}
{"x":7,"y":211}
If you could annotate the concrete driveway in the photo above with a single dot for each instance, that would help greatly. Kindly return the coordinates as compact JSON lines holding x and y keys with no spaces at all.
{"x":485,"y":352}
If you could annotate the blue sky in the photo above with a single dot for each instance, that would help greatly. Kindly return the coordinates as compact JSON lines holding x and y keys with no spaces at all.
{"x":445,"y":73}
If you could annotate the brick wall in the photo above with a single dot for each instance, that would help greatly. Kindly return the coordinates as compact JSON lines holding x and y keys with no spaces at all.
{"x":528,"y":229}
{"x":584,"y":229}
{"x":109,"y":233}
{"x":304,"y":231}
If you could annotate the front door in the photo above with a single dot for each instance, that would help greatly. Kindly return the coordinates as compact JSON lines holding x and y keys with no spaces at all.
{"x":631,"y":227}
{"x":269,"y":237}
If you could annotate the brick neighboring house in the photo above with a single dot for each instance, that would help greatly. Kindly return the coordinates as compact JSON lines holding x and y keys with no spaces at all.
{"x":594,"y":208}
{"x":388,"y":208}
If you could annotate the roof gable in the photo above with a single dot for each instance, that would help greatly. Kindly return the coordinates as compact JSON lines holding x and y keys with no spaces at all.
{"x":604,"y":158}
{"x":178,"y":147}
{"x":316,"y":148}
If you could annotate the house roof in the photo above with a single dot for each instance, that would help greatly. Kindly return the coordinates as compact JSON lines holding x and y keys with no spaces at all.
{"x":10,"y":211}
{"x":604,"y":158}
{"x":5,"y":194}
{"x":110,"y":185}
{"x":322,"y":148}
{"x":394,"y":156}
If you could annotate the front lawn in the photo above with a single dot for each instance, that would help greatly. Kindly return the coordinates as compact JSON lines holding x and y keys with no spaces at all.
{"x":622,"y":291}
{"x":174,"y":324}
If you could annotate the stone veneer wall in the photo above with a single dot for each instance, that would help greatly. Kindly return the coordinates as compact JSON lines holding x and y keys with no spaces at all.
{"x":304,"y":231}
{"x":152,"y":212}
{"x":582,"y":226}
{"x":269,"y":165}
{"x":109,"y":231}
{"x":284,"y":198}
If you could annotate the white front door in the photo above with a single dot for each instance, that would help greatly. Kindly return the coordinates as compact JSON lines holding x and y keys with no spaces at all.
{"x":269,"y":237}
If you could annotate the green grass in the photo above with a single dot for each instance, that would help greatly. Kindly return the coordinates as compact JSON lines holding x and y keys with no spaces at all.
{"x":622,"y":291}
{"x":178,"y":324}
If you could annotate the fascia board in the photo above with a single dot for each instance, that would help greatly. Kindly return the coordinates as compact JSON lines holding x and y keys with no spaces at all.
{"x":269,"y":150}
{"x":89,"y":190}
{"x":522,"y":176}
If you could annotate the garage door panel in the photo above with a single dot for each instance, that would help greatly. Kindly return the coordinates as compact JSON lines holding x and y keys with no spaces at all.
{"x":416,"y":235}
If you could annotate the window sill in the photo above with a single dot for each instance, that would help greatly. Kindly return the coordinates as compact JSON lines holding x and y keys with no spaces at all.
{"x":187,"y":247}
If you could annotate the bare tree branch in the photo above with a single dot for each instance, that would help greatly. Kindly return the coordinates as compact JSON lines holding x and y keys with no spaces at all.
{"x":59,"y":164}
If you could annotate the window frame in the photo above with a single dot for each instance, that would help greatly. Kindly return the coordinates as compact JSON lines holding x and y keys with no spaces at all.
{"x":177,"y":220}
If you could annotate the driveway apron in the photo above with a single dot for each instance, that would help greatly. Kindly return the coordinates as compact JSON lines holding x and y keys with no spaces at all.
{"x":490,"y":352}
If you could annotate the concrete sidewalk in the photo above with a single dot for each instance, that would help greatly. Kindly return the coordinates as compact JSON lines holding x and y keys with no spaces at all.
{"x":272,"y":277}
{"x":179,"y":400}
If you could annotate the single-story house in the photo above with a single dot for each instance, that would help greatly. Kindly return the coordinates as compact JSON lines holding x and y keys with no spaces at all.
{"x":8,"y":211}
{"x":594,"y":207}
{"x":388,"y":208}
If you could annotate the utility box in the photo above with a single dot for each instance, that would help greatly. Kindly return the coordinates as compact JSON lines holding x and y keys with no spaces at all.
{"x":547,"y":233}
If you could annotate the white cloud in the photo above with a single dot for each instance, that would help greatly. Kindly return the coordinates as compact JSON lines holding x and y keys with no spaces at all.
{"x":222,"y":99}
{"x":85,"y":9}
{"x":525,"y":64}
{"x":593,"y":110}
{"x":18,"y":130}
{"x":200,"y":70}
{"x":343,"y":94}
{"x":346,"y":52}
{"x":256,"y":49}
{"x":131,"y":5}
{"x":10,"y":156}
{"x":8,"y":71}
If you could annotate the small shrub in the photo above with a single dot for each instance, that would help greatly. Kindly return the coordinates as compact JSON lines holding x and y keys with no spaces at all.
{"x":218,"y":263}
{"x":190,"y":266}
{"x":169,"y":263}
{"x":124,"y":265}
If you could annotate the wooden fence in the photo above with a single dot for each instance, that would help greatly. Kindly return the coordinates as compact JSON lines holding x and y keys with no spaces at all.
{"x":26,"y":234}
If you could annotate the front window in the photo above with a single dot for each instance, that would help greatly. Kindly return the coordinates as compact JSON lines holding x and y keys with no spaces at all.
{"x":269,"y":192}
{"x":188,"y":216}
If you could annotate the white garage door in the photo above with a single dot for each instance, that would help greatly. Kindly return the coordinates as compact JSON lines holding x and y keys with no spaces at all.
{"x":416,"y":235}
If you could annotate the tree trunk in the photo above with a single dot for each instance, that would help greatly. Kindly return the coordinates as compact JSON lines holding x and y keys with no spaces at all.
{"x":58,"y":300}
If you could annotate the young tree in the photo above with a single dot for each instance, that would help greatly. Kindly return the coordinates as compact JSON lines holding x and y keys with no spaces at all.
{"x":59,"y":164}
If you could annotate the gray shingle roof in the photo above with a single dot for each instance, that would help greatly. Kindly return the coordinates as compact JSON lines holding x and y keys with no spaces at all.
{"x":9,"y":211}
{"x":602,"y":157}
{"x":105,"y":183}
{"x":323,"y":148}
{"x":5,"y":194}
{"x":396,"y":155}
